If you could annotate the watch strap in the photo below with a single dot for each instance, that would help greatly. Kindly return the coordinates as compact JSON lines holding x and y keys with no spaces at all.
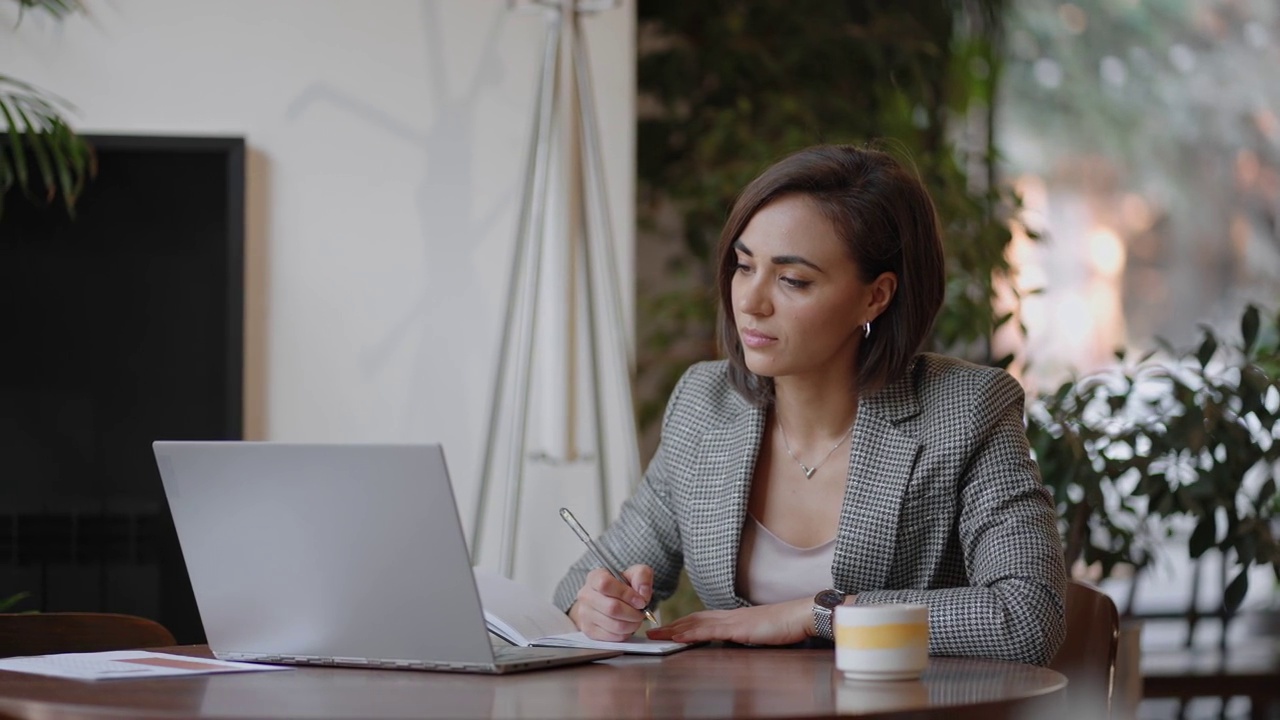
{"x":822,"y":617}
{"x":824,"y":605}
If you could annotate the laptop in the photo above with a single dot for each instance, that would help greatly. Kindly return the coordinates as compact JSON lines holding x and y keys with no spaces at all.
{"x":336,"y":555}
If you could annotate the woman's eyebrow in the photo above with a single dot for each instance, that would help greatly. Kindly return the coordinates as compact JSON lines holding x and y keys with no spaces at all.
{"x":778,"y":259}
{"x":795,"y":260}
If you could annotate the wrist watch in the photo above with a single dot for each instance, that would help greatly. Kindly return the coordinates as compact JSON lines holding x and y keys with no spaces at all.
{"x":824,"y":608}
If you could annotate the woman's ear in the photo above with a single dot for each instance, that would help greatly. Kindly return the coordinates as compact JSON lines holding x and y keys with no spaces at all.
{"x":882,"y":291}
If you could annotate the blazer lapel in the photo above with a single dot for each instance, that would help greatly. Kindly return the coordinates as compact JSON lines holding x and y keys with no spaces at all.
{"x":722,"y":485}
{"x":880,"y":467}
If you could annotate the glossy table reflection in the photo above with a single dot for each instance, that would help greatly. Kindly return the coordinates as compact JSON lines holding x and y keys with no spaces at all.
{"x":709,"y":682}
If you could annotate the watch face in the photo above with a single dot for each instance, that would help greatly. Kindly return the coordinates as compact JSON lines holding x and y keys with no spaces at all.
{"x":829,"y":598}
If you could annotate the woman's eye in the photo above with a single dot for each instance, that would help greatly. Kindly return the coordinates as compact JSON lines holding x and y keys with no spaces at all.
{"x":793,"y":282}
{"x":743,"y":268}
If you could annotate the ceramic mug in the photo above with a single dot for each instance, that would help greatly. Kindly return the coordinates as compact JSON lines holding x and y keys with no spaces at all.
{"x":882,"y":642}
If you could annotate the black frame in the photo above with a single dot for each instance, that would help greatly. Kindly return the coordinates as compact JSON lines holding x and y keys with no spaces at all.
{"x":177,"y":606}
{"x":234,"y":148}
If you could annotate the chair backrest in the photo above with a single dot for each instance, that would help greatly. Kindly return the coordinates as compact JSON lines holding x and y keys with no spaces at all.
{"x":47,"y":633}
{"x":1088,"y":655}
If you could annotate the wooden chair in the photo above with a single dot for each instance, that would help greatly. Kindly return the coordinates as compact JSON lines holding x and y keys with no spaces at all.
{"x":45,"y":633}
{"x":1088,"y":655}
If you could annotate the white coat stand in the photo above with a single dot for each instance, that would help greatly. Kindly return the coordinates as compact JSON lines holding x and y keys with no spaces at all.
{"x":593,"y":286}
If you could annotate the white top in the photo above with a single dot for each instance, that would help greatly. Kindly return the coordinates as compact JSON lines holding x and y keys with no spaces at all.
{"x":772,"y":571}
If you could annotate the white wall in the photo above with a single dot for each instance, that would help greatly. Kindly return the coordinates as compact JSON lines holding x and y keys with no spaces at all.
{"x":387,"y":145}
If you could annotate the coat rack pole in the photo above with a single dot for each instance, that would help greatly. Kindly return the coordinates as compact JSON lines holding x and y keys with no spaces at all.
{"x":509,"y":421}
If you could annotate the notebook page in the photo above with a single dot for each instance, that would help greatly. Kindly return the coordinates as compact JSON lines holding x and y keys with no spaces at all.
{"x":636,"y":645}
{"x":515,"y":613}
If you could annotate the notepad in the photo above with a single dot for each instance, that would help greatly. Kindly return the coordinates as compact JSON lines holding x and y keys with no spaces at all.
{"x":516,"y":614}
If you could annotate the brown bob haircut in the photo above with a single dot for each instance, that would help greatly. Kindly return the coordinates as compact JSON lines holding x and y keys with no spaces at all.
{"x":888,"y":224}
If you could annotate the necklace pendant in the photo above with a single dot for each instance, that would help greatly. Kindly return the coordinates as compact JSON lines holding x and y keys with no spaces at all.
{"x":808,"y":471}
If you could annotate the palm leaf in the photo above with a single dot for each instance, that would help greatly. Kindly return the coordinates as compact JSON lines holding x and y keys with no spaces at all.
{"x":43,"y":157}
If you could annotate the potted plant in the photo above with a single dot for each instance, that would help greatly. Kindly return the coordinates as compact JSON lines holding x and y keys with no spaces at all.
{"x":1135,"y":451}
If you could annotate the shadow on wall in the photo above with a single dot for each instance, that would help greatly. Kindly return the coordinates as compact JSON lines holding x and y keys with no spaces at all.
{"x":449,"y":226}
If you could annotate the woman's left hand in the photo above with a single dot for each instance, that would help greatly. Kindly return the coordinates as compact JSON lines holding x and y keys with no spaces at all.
{"x":777,"y":624}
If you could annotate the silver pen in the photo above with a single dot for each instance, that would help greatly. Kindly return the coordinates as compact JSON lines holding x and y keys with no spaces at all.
{"x":586,"y":539}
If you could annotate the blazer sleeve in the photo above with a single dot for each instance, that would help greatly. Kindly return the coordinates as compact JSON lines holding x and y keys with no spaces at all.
{"x":1013,"y":608}
{"x":646,"y":531}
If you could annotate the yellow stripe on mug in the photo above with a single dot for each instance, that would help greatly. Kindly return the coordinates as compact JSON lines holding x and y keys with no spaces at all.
{"x":881,"y":637}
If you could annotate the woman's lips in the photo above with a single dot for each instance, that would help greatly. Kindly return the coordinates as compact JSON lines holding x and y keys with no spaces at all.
{"x":756,"y":339}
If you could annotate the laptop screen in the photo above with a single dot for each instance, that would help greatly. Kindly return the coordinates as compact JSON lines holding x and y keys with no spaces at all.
{"x":335,"y":551}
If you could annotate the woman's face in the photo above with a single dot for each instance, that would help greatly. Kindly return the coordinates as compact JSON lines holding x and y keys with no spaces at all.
{"x":798,"y":300}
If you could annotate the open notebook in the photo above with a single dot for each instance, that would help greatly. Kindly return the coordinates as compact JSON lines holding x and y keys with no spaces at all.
{"x":516,"y":614}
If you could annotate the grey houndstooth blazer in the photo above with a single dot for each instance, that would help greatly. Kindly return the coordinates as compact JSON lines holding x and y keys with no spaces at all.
{"x":944,"y":506}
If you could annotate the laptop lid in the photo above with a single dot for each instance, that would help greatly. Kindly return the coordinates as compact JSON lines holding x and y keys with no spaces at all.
{"x":348,"y":552}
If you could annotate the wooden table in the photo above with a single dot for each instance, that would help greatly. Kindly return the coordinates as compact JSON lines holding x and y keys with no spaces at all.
{"x":709,"y":682}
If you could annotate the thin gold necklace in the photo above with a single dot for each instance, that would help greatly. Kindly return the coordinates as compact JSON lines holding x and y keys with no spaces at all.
{"x":809,"y":471}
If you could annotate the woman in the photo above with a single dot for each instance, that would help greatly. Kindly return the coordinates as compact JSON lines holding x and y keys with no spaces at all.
{"x":827,"y":455}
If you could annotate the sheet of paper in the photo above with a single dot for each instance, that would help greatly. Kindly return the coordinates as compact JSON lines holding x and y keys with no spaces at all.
{"x":120,"y":664}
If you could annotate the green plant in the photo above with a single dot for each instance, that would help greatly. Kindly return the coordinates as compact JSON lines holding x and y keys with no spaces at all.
{"x":43,"y":157}
{"x":1136,"y":451}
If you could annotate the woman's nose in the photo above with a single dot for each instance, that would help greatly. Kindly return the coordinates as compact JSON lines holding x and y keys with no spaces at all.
{"x":753,"y":296}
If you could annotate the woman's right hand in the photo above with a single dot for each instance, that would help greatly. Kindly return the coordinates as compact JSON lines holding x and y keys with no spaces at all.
{"x":609,"y":610}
